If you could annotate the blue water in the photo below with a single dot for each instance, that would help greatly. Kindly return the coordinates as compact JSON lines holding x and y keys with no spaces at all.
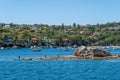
{"x":14,"y":53}
{"x":56,"y":69}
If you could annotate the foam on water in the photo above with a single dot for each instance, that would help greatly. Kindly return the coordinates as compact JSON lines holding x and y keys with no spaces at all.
{"x":112,"y":60}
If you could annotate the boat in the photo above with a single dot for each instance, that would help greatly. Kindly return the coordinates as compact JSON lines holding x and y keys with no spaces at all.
{"x":65,"y":49}
{"x":2,"y":48}
{"x":36,"y":49}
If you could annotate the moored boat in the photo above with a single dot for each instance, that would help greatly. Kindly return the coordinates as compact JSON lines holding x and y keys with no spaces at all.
{"x":2,"y":48}
{"x":36,"y":49}
{"x":65,"y":48}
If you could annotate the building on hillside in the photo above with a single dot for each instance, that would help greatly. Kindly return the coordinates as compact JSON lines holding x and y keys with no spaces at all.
{"x":8,"y":41}
{"x":6,"y":26}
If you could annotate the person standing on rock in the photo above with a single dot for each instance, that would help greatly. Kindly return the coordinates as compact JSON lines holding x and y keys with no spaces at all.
{"x":45,"y":56}
{"x":18,"y":57}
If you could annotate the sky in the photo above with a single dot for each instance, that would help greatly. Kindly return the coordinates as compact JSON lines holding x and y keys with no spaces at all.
{"x":59,"y":11}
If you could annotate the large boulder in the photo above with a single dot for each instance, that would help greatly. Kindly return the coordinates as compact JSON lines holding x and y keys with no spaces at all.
{"x":83,"y":50}
{"x":80,"y":51}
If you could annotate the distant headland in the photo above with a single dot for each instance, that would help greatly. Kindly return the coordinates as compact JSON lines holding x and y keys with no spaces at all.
{"x":25,"y":35}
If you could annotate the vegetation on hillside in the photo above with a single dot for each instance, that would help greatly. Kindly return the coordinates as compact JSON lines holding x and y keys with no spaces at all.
{"x":59,"y":35}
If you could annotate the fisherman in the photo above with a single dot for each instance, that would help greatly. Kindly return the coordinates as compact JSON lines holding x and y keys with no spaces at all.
{"x":45,"y":56}
{"x":58,"y":56}
{"x":18,"y":57}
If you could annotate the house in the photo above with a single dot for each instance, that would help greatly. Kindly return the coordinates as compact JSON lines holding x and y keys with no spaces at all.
{"x":8,"y":41}
{"x":35,"y":40}
{"x":65,"y":39}
{"x":51,"y":41}
{"x":6,"y":26}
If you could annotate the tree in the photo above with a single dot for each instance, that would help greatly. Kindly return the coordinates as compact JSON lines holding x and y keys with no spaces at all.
{"x":74,"y":24}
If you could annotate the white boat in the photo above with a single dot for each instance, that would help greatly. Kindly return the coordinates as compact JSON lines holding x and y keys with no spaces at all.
{"x":36,"y":49}
{"x":2,"y":48}
{"x":31,"y":47}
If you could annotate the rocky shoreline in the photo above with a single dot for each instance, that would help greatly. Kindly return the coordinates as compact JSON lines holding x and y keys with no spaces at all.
{"x":72,"y":57}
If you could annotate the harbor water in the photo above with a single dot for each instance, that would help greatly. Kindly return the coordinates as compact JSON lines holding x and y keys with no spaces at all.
{"x":10,"y":69}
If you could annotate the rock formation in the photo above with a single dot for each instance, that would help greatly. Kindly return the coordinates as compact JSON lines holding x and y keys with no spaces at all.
{"x":90,"y":51}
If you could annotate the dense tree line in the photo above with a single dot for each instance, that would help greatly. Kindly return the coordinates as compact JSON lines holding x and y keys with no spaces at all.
{"x":25,"y":35}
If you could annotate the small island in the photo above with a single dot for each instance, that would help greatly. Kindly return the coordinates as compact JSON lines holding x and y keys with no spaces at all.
{"x":82,"y":52}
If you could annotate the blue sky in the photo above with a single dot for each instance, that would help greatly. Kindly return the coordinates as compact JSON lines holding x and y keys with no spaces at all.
{"x":59,"y":11}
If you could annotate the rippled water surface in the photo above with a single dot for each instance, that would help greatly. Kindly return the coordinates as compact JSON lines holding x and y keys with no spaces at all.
{"x":14,"y":53}
{"x":55,"y":69}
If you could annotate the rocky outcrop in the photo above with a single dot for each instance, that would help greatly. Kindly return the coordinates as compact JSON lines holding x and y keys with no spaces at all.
{"x":90,"y":51}
{"x":82,"y":52}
